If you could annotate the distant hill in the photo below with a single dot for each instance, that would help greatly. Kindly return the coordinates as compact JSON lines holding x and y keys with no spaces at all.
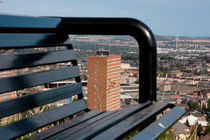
{"x":164,"y":38}
{"x":169,"y":38}
{"x":129,"y":38}
{"x":128,"y":41}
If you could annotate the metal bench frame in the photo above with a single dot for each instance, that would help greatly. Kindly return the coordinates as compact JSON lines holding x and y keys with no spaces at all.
{"x":30,"y":32}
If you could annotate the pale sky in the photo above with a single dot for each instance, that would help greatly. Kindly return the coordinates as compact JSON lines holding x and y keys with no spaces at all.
{"x":164,"y":17}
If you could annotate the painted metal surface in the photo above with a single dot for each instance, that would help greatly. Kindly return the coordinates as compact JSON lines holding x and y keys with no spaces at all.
{"x":26,"y":125}
{"x":37,"y":78}
{"x":139,"y":119}
{"x":95,"y":126}
{"x":12,"y":21}
{"x":66,"y":125}
{"x":32,"y":40}
{"x":24,"y":103}
{"x":155,"y":129}
{"x":13,"y":61}
{"x":117,"y":124}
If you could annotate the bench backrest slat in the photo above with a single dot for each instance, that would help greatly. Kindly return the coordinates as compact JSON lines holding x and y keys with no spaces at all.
{"x":31,"y":40}
{"x":24,"y":103}
{"x":33,"y":52}
{"x":29,"y":124}
{"x":9,"y":21}
{"x":35,"y":59}
{"x":37,"y":78}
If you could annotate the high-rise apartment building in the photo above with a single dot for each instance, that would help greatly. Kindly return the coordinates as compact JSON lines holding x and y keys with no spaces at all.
{"x":104,"y":81}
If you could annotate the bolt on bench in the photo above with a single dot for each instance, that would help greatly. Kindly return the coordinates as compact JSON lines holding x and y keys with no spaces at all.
{"x":19,"y":32}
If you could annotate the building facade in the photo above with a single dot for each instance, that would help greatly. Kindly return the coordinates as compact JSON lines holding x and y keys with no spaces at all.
{"x":103,"y":86}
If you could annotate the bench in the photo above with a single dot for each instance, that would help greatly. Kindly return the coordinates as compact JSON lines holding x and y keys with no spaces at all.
{"x":36,"y":33}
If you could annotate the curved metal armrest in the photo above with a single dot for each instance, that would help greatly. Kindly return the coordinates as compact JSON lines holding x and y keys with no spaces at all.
{"x":122,"y":26}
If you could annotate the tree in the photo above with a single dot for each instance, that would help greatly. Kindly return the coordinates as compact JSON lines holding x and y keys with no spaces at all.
{"x":208,"y":110}
{"x":137,"y":81}
{"x":166,"y":136}
{"x":193,"y":105}
{"x":207,"y":129}
{"x":187,"y":123}
{"x":203,"y":108}
{"x":208,"y":105}
{"x":208,"y":119}
{"x":160,"y":73}
{"x":199,"y":129}
{"x":85,"y":77}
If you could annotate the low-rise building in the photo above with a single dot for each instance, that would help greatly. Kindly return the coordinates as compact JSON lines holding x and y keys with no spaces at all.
{"x":192,"y":120}
{"x":180,"y":131}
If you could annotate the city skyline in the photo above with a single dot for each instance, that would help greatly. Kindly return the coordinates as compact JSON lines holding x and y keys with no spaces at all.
{"x":186,"y":18}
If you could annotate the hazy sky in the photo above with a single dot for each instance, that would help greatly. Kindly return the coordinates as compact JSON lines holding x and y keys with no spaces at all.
{"x":164,"y":17}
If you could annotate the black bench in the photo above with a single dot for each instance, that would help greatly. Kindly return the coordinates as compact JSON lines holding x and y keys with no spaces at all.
{"x":18,"y":32}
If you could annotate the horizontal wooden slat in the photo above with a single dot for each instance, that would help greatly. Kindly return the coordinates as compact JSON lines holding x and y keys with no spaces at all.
{"x":33,"y":79}
{"x":9,"y":21}
{"x":155,"y":129}
{"x":29,"y":124}
{"x":66,"y":125}
{"x":81,"y":126}
{"x":35,"y":59}
{"x":34,"y":100}
{"x":31,"y":40}
{"x":99,"y":124}
{"x":131,"y":122}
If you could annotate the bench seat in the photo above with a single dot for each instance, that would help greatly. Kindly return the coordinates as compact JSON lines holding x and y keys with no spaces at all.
{"x":114,"y":124}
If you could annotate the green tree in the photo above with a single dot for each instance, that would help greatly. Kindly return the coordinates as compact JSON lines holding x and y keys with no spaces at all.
{"x":208,"y":119}
{"x":162,"y":70}
{"x":199,"y":129}
{"x":160,"y":73}
{"x":208,"y":110}
{"x":187,"y":123}
{"x":208,"y":106}
{"x":203,"y":108}
{"x":207,"y":129}
{"x":137,"y":81}
{"x":131,"y":134}
{"x":193,"y":105}
{"x":166,"y":136}
{"x":85,"y":77}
